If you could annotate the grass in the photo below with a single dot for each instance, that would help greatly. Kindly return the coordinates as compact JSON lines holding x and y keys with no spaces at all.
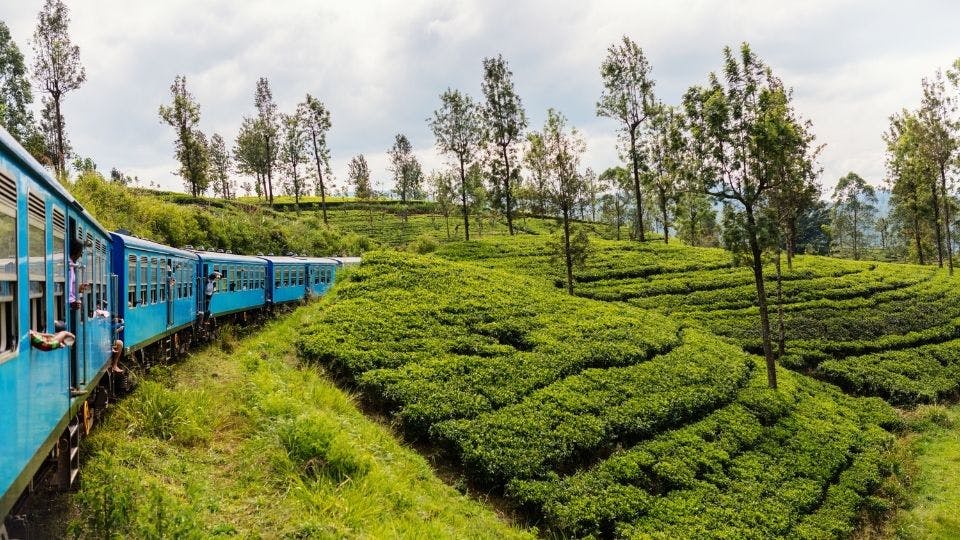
{"x":936,"y":486}
{"x":249,"y":443}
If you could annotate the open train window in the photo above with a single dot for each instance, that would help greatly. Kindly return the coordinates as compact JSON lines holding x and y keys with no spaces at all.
{"x":37,"y":251}
{"x":300,"y":276}
{"x":132,"y":281}
{"x":8,"y":266}
{"x":59,"y":266}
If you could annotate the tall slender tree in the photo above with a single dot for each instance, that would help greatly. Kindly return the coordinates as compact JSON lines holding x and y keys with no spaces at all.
{"x":564,"y":148}
{"x":504,"y":121}
{"x":941,"y":138}
{"x":183,"y":115}
{"x":856,"y":200}
{"x":220,"y":167}
{"x":359,"y":174}
{"x":628,"y":98}
{"x":458,"y":129}
{"x":268,"y":129}
{"x":249,"y":154}
{"x":15,"y":92}
{"x":294,"y":155}
{"x":317,"y":121}
{"x":535,"y":158}
{"x":57,"y":69}
{"x":406,"y":170}
{"x":743,"y":123}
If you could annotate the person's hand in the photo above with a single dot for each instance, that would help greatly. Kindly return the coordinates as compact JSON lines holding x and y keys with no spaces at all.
{"x":76,"y":305}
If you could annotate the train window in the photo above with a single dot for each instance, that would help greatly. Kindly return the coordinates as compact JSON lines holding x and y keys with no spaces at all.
{"x":9,"y":335}
{"x":88,"y":274}
{"x":144,"y":279}
{"x":59,"y":266}
{"x":132,"y":281}
{"x":242,"y":279}
{"x":276,"y":277}
{"x":152,"y":279}
{"x":37,"y":250}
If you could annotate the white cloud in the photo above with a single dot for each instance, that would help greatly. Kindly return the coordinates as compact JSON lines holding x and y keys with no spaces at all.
{"x":380,"y":66}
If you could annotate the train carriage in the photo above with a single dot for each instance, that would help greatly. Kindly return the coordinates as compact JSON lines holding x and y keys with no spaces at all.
{"x":286,"y":277}
{"x":243,"y":284}
{"x":43,"y":391}
{"x":158,"y":285}
{"x":320,"y":272}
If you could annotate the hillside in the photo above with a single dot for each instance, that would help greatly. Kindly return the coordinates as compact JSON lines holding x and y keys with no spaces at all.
{"x":636,"y":408}
{"x":243,"y":440}
{"x":875,"y":329}
{"x":599,"y":419}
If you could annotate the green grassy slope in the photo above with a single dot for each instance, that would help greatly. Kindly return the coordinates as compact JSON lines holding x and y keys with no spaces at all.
{"x":245,"y":442}
{"x":599,"y":418}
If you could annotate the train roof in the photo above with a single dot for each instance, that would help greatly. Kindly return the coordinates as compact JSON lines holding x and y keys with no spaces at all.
{"x":149,"y":245}
{"x":215,"y":256}
{"x":347,"y":261}
{"x":43,"y":176}
{"x":320,"y":260}
{"x":282,"y":259}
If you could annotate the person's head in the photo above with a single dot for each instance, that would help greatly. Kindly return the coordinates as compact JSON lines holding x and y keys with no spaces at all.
{"x":76,"y":249}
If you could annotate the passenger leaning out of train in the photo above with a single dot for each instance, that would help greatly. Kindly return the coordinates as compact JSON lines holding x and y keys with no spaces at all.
{"x":76,"y":251}
{"x":49,"y":342}
{"x":211,"y":287}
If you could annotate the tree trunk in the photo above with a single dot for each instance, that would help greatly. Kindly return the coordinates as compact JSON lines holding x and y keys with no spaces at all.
{"x":446,"y":219}
{"x":761,"y":298}
{"x":269,"y":178}
{"x":61,"y":157}
{"x":936,"y":222}
{"x":856,"y":232}
{"x":946,"y":217}
{"x":506,"y":188}
{"x":463,"y":196}
{"x":636,"y":182}
{"x":568,"y":259}
{"x":916,"y":232}
{"x":666,"y":223}
{"x":781,"y":338}
{"x":791,"y":242}
{"x":323,"y":194}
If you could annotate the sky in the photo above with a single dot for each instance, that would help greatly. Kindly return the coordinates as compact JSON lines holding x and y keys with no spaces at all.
{"x":380,"y":66}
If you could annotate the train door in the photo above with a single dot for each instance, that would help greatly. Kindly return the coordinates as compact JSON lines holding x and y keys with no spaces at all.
{"x":168,"y":287}
{"x":77,"y":319}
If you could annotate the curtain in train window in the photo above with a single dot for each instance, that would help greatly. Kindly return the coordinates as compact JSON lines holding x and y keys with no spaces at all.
{"x":9,"y":329}
{"x":132,"y":281}
{"x":37,"y":251}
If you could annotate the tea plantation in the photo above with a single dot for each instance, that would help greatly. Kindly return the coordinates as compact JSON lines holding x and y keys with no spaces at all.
{"x":874,"y":329}
{"x":600,"y":418}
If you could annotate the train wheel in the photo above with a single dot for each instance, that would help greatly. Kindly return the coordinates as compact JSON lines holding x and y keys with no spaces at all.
{"x":86,"y":416}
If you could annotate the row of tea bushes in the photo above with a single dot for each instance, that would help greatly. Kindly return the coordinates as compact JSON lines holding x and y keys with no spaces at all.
{"x":600,"y":418}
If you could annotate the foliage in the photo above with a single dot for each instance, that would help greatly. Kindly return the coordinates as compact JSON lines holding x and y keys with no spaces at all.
{"x":285,"y":455}
{"x":183,"y":115}
{"x":458,"y":129}
{"x":628,"y":98}
{"x":57,"y":69}
{"x":503,"y":123}
{"x":603,"y":419}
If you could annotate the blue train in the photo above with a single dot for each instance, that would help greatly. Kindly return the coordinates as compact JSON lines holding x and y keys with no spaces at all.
{"x":61,"y":271}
